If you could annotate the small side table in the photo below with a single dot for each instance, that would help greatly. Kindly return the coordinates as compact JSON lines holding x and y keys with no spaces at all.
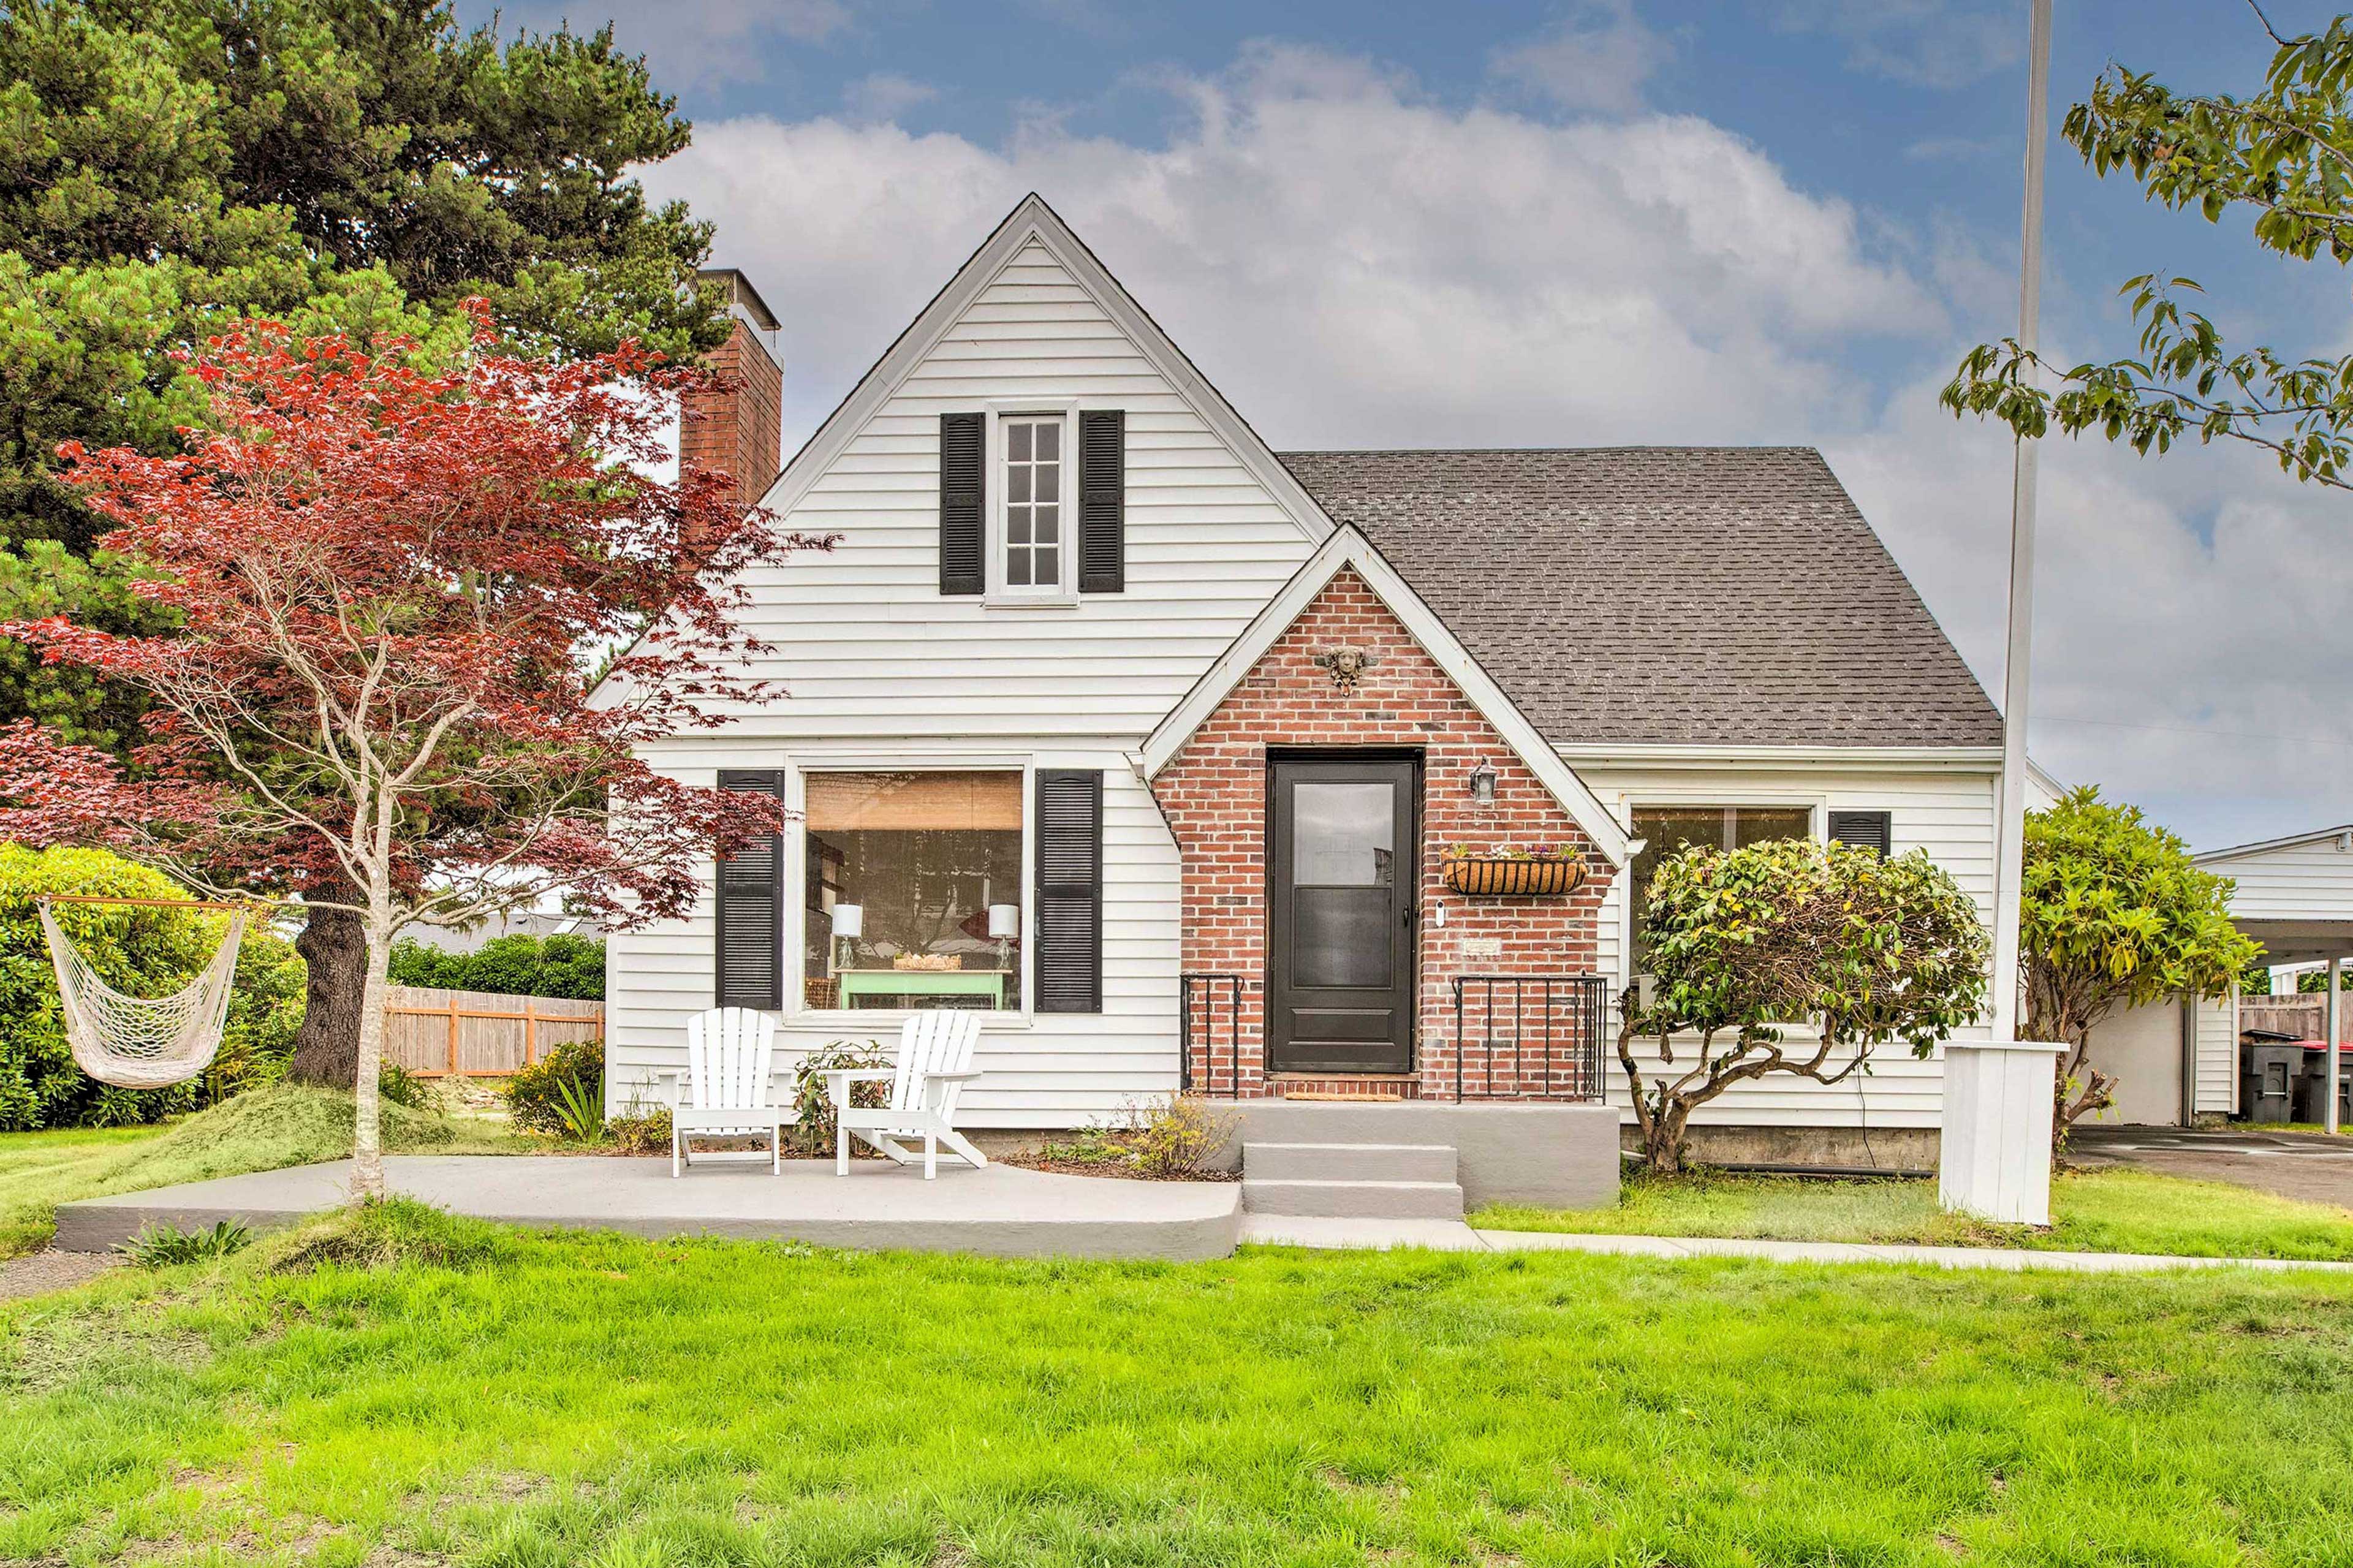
{"x":856,"y":984}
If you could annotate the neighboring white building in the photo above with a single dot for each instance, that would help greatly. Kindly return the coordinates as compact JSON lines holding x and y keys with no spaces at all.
{"x":1053,"y":529}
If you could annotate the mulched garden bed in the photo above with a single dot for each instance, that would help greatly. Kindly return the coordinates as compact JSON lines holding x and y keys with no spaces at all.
{"x":1120,"y":1170}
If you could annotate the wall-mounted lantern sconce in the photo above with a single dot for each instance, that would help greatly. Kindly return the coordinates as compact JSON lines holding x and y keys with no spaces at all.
{"x":1483,"y":784}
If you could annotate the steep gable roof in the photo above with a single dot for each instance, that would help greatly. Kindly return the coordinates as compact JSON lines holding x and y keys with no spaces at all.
{"x":1665,"y":596}
{"x":1032,"y":222}
{"x":1349,"y":549}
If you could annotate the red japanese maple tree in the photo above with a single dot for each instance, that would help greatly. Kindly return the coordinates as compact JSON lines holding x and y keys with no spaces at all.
{"x":398,"y":592}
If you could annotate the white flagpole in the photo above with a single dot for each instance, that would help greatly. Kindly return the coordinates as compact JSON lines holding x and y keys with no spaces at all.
{"x":2010,"y":842}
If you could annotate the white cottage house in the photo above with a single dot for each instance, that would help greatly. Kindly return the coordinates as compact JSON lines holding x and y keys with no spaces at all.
{"x":1149,"y":741}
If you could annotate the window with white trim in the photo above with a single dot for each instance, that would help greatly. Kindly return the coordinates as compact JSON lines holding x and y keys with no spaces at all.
{"x":1032,"y":552}
{"x":1669,"y":830}
{"x":914,"y":889}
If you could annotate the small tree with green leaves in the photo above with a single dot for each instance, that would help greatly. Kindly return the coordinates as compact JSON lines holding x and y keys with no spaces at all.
{"x":2113,"y":914}
{"x":2280,"y":157}
{"x":1791,"y":957}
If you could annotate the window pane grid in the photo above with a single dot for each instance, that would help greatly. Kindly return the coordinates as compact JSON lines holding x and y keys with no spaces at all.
{"x":1033,"y":503}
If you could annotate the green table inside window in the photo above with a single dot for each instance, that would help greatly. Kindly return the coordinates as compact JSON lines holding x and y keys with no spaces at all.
{"x":869,"y":982}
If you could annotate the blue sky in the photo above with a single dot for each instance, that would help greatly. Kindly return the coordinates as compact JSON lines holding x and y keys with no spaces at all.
{"x":1382,"y":224}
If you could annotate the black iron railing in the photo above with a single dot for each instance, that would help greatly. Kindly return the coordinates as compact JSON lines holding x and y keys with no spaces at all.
{"x":1210,"y":1008}
{"x":1529,"y":1037}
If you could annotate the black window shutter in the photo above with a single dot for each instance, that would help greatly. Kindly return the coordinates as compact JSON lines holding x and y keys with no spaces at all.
{"x":750,"y":941}
{"x":1102,"y":501}
{"x":1866,"y":829}
{"x":963,"y":490}
{"x":1070,"y":891}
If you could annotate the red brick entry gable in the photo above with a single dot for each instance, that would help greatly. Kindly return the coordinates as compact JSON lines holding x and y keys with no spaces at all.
{"x":1214,"y":796}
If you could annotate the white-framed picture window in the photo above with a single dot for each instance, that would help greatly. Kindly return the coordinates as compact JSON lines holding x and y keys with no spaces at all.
{"x":1668,"y":830}
{"x":1037,"y":495}
{"x":913,"y":889}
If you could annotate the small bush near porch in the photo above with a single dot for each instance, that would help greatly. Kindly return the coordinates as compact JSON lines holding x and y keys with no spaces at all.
{"x":2092,"y":1211}
{"x":394,"y":1386}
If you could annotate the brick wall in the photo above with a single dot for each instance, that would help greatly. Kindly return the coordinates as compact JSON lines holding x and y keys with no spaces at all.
{"x":1213,"y":793}
{"x":735,"y":423}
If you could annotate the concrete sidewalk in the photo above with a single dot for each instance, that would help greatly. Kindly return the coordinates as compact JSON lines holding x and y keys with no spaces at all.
{"x":1448,"y":1236}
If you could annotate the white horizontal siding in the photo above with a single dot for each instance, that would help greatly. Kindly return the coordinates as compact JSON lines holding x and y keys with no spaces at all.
{"x":861,"y":642}
{"x":870,"y":663}
{"x":2218,"y":1055}
{"x":1046,"y":1070}
{"x":2309,"y":881}
{"x":1947,"y":811}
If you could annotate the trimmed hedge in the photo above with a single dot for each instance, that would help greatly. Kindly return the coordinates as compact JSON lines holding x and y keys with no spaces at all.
{"x":519,"y":965}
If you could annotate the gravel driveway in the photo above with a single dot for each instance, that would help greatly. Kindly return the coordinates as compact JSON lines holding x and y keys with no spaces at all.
{"x":38,"y":1273}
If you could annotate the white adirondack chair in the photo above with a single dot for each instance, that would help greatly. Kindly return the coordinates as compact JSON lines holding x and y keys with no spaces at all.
{"x":935,"y":1064}
{"x":730,"y":1088}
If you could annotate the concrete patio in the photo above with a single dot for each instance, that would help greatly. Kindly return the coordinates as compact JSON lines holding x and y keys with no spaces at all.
{"x":1000,"y":1211}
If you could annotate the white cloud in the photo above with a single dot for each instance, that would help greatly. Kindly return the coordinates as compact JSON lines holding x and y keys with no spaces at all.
{"x":1352,"y":264}
{"x":884,"y":95}
{"x":1355,"y":265}
{"x":1597,"y":56}
{"x":1921,"y":43}
{"x":2191,"y":644}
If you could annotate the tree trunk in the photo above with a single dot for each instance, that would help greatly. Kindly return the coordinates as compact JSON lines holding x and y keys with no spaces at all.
{"x":333,"y":944}
{"x":1662,"y":1145}
{"x":367,"y":1147}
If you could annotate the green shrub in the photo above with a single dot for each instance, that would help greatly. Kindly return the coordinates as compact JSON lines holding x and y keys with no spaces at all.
{"x":814,"y":1132}
{"x":398,"y":1085}
{"x":1164,"y":1140}
{"x":640,"y":1131}
{"x":141,"y":951}
{"x":517,"y":966}
{"x":159,"y":1246}
{"x":545,"y":1096}
{"x":1169,"y":1139}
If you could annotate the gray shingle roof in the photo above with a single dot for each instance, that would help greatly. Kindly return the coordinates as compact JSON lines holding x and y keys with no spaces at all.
{"x":1676,"y":596}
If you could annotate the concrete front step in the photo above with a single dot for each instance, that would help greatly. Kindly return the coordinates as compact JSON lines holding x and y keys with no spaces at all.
{"x":1354,"y":1200}
{"x":1348,"y":1162}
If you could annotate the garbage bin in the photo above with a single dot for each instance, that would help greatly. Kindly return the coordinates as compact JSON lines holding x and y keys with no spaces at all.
{"x":2267,"y":1075}
{"x":2310,"y":1089}
{"x":2312,"y":1095}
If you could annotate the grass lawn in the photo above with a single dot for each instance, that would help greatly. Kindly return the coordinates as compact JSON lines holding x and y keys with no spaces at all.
{"x":405,"y":1388}
{"x":2092,"y":1211}
{"x":288,"y":1125}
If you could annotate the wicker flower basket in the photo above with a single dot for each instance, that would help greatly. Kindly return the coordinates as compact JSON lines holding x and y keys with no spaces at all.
{"x":1512,"y":877}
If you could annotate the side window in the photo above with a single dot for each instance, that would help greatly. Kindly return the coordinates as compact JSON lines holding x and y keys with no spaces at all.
{"x":1668,"y":830}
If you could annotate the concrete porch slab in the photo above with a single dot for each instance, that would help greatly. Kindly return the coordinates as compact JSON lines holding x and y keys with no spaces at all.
{"x":999,"y":1211}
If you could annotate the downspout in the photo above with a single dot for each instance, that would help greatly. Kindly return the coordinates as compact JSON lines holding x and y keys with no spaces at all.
{"x":2189,"y":1117}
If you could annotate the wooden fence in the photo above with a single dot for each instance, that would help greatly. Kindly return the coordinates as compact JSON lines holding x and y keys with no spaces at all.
{"x":434,"y":1033}
{"x":2303,"y":1014}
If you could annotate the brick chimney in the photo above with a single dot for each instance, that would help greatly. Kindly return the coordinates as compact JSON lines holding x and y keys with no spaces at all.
{"x":737,"y":426}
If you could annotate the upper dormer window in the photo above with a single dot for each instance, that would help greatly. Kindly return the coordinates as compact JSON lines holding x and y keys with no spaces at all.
{"x":1031,"y":550}
{"x":1033,"y":504}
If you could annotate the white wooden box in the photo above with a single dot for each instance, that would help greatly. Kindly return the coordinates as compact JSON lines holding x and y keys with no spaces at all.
{"x":1995,"y":1163}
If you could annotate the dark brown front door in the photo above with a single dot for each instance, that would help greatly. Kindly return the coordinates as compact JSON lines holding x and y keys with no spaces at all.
{"x":1341,"y":896}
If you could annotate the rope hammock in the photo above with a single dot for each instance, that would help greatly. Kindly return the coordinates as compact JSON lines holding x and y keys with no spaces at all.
{"x":138,"y":1042}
